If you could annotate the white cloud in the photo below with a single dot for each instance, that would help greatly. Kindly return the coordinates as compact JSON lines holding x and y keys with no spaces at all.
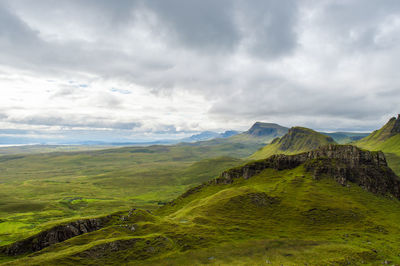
{"x":191,"y":66}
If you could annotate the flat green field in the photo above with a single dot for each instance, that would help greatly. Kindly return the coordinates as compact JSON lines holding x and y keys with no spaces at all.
{"x":37,"y":190}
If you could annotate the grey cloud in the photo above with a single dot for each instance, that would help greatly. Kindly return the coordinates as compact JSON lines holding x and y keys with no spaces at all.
{"x":226,"y":51}
{"x":205,"y":25}
{"x":269,"y":26}
{"x":356,"y":24}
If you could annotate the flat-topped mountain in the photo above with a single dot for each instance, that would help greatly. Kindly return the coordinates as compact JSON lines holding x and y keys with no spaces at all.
{"x":267,"y":129}
{"x":298,"y":139}
{"x":251,"y":140}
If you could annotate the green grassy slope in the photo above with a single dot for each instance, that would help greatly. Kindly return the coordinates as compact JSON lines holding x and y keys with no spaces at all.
{"x":38,"y":189}
{"x":298,"y":139}
{"x":387,"y":140}
{"x":377,"y":137}
{"x":276,"y":217}
{"x":44,"y":188}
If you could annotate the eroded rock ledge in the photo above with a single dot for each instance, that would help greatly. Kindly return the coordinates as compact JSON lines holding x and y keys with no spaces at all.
{"x":54,"y":235}
{"x":344,"y":163}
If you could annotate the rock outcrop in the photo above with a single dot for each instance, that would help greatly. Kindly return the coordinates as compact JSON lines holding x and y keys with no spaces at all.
{"x":344,"y":163}
{"x":396,"y":126}
{"x":54,"y":235}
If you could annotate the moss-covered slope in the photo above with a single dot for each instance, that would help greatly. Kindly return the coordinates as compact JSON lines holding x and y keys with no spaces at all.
{"x":280,"y":212}
{"x":298,"y":139}
{"x":386,"y":139}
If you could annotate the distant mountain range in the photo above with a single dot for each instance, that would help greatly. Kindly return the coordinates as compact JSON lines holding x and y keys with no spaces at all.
{"x":206,"y":135}
{"x":260,"y":132}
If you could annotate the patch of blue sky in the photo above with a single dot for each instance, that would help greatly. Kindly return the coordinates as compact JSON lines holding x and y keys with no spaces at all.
{"x":121,"y":91}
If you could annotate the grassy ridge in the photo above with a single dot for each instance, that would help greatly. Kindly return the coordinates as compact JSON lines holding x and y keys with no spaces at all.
{"x":384,"y":140}
{"x":278,"y":217}
{"x":298,"y":139}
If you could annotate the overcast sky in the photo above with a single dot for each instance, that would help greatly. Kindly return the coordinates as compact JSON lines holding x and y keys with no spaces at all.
{"x":156,"y":68}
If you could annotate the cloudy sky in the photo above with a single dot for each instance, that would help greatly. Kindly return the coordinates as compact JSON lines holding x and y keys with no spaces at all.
{"x":143,"y":69}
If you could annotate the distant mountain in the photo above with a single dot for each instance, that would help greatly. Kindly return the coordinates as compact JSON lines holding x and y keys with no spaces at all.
{"x":259,"y":132}
{"x":201,"y":136}
{"x":298,"y":139}
{"x":207,"y":135}
{"x":228,"y":133}
{"x":272,"y":130}
{"x":345,"y":137}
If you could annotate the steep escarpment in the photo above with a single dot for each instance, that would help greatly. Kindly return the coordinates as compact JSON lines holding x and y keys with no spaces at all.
{"x":298,"y":139}
{"x":344,"y":163}
{"x":55,"y":235}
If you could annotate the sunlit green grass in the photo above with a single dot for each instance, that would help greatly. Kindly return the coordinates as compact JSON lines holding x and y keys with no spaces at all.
{"x":305,"y":221}
{"x":40,"y":188}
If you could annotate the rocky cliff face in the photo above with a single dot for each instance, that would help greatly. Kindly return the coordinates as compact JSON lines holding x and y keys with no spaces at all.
{"x":344,"y":163}
{"x":54,"y":235}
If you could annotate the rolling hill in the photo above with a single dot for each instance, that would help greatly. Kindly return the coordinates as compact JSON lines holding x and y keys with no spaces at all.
{"x":337,"y":205}
{"x":298,"y":139}
{"x":41,"y":189}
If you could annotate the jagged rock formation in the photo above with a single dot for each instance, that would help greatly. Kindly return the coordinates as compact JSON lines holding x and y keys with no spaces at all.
{"x":54,"y":235}
{"x":345,"y":163}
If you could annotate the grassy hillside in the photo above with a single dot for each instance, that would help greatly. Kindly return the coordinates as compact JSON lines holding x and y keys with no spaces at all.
{"x":386,"y":139}
{"x":276,"y":217}
{"x":298,"y":139}
{"x":38,"y":189}
{"x":377,"y":137}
